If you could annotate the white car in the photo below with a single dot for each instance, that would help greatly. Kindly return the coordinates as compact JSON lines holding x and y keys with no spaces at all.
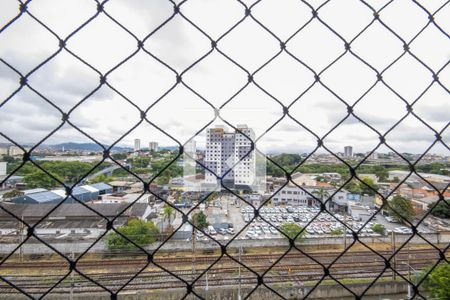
{"x":211,"y":230}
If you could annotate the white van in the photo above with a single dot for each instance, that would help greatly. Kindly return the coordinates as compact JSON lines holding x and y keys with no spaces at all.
{"x":211,"y":230}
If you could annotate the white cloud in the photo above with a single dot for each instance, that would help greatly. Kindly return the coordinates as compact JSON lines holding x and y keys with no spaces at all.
{"x":143,"y":80}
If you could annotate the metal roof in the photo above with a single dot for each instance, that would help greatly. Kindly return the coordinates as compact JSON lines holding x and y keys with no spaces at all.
{"x":73,"y":210}
{"x":101,"y":186}
{"x":60,"y":193}
{"x":32,"y":191}
{"x":79,"y":191}
{"x":90,"y":188}
{"x":44,"y":197}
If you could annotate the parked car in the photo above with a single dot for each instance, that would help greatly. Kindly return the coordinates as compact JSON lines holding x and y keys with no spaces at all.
{"x":211,"y":230}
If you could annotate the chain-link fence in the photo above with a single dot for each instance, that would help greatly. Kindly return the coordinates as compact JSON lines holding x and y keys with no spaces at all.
{"x":261,"y":277}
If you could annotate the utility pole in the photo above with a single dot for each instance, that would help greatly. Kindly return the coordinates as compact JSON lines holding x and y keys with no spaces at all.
{"x":20,"y":229}
{"x":193,"y":254}
{"x":409,"y":286}
{"x":72,"y":282}
{"x":226,"y":214}
{"x":394,"y":276}
{"x":345,"y":228}
{"x":409,"y":276}
{"x":206,"y":287}
{"x":239,"y":286}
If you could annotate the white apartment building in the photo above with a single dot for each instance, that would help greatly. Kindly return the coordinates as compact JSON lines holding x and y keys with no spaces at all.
{"x":224,"y":149}
{"x":153,"y":146}
{"x":348,"y":151}
{"x":15,"y":151}
{"x":137,"y":145}
{"x":294,"y":196}
{"x":3,"y":168}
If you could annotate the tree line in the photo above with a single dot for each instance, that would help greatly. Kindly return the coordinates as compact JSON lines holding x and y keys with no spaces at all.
{"x":290,"y":161}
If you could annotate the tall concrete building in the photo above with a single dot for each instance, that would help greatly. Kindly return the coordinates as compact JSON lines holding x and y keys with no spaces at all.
{"x":137,"y":145}
{"x":3,"y":151}
{"x":153,"y":146}
{"x":348,"y":151}
{"x":3,"y":168}
{"x":15,"y":151}
{"x":224,"y":149}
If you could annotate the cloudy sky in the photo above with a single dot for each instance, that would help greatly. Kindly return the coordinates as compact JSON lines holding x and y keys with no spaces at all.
{"x":215,"y":81}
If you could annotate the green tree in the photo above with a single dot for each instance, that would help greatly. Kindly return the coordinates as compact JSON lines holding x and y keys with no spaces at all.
{"x":442,"y":209}
{"x":199,"y":220}
{"x":321,"y":179}
{"x":120,"y":173}
{"x":12,"y":194}
{"x":321,"y":193}
{"x":119,"y":156}
{"x":39,"y":179}
{"x":163,"y":178}
{"x":337,"y":231}
{"x":396,"y":179}
{"x":292,"y":230}
{"x":437,"y":283}
{"x":142,"y":170}
{"x":10,"y":159}
{"x":369,"y":186}
{"x":401,"y":208}
{"x":380,"y":172}
{"x":141,"y":232}
{"x":168,"y":212}
{"x":353,"y":187}
{"x":101,"y":178}
{"x":379,"y":228}
{"x":141,"y":162}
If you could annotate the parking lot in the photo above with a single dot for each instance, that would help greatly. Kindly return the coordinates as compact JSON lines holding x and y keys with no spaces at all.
{"x":232,"y":217}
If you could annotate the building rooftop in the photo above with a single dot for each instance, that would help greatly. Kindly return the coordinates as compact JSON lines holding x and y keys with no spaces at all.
{"x":72,"y":210}
{"x":101,"y":186}
{"x":32,"y":191}
{"x":43,"y":197}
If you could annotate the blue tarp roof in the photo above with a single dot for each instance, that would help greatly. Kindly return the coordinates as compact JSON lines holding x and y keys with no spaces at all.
{"x":101,"y":186}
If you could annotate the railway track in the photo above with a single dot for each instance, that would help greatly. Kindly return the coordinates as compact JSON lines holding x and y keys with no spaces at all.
{"x":159,"y":282}
{"x":217,"y":276}
{"x":294,"y":268}
{"x":321,"y":257}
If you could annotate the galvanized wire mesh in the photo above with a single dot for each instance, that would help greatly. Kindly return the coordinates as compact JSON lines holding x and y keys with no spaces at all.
{"x":102,"y":9}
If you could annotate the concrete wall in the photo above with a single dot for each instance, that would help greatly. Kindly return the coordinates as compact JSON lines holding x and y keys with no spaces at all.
{"x":388,"y":289}
{"x":77,"y":247}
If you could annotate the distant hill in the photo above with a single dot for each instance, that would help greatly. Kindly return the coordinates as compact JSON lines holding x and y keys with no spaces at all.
{"x":85,"y":147}
{"x":168,"y":147}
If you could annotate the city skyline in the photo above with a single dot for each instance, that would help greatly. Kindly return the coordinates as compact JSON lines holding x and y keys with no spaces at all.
{"x":129,"y":147}
{"x":182,"y":112}
{"x":192,"y":148}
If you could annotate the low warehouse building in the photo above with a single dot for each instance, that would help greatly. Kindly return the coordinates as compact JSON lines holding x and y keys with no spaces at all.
{"x":102,"y":188}
{"x":68,"y":221}
{"x":39,"y":198}
{"x":83,"y":193}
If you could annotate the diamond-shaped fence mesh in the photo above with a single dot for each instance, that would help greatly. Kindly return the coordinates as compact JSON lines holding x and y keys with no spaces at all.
{"x":336,"y":48}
